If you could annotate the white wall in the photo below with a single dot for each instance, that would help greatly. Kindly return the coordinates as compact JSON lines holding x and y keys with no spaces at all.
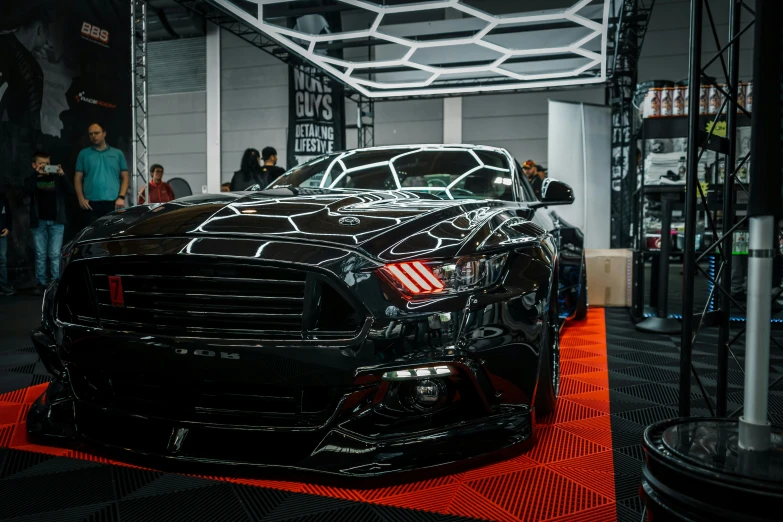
{"x":177,"y":109}
{"x":409,"y":121}
{"x":178,"y":136}
{"x":517,"y":122}
{"x":254,"y":100}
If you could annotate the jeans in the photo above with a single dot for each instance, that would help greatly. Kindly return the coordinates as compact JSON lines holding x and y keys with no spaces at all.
{"x":48,"y":239}
{"x":3,"y":264}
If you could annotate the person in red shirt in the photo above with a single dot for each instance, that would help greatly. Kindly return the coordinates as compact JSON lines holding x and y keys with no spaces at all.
{"x":160,"y":191}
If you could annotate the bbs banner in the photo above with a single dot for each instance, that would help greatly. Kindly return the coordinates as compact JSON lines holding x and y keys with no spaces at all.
{"x":63,"y":66}
{"x":316,"y":120}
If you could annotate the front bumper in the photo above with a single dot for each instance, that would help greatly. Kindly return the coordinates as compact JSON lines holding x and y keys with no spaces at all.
{"x":57,"y":417}
{"x":492,"y":341}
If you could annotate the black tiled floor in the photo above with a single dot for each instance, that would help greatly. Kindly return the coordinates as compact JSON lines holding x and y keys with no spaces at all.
{"x":19,"y":364}
{"x":644,"y":381}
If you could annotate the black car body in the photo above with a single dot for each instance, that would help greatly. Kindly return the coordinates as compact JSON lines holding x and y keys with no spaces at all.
{"x":272,"y":327}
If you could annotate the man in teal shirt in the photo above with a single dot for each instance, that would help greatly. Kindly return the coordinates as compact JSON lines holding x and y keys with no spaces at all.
{"x":101,"y":179}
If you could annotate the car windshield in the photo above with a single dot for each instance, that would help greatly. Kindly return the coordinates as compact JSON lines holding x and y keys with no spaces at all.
{"x":448,"y":173}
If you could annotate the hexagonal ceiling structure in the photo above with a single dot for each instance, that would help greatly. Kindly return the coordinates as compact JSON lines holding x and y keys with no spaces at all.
{"x":405,"y":48}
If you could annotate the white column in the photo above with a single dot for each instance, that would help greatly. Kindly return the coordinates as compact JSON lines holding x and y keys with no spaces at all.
{"x":452,"y":120}
{"x":754,"y":429}
{"x":213,"y":109}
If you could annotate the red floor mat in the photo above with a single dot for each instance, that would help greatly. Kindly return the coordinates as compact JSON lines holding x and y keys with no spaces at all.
{"x":567,"y":476}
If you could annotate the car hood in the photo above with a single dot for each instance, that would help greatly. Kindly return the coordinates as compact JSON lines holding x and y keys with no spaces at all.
{"x":389,"y":225}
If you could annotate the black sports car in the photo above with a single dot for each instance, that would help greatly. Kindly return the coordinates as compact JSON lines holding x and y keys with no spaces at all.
{"x":371,"y":311}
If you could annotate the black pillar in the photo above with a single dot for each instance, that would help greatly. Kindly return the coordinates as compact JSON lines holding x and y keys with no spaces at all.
{"x":692,"y":180}
{"x":728,"y":211}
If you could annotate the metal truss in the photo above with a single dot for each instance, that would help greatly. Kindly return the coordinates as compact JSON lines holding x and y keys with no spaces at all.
{"x":365,"y":122}
{"x":252,"y":30}
{"x":238,"y":28}
{"x":720,"y":302}
{"x":255,"y":38}
{"x":139,"y":89}
{"x":443,"y":79}
{"x":625,"y":50}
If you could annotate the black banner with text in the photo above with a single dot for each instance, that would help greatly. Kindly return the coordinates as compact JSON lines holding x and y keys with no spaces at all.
{"x":316,"y":115}
{"x":316,"y":121}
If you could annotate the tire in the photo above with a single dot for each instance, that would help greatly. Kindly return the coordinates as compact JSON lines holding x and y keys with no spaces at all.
{"x":581,"y":300}
{"x":549,"y":371}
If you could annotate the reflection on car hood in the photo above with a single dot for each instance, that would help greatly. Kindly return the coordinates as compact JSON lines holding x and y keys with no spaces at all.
{"x":386,"y":225}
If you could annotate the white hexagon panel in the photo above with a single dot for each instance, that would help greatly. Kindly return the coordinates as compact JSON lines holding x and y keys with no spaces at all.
{"x":404,"y":48}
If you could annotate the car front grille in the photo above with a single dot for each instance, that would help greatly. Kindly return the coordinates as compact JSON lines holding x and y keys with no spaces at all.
{"x":223,"y":403}
{"x":206,"y":299}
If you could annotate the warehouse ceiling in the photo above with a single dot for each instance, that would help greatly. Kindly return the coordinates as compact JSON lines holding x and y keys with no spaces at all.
{"x":168,"y":20}
{"x":387,"y":48}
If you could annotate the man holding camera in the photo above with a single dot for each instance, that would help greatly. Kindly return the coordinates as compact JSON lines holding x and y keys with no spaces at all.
{"x":47,"y":186}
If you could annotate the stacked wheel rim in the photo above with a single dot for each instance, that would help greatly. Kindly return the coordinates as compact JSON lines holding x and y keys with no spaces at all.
{"x":695,"y":471}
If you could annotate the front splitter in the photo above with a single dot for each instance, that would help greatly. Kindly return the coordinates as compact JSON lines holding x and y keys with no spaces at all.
{"x":330,"y":453}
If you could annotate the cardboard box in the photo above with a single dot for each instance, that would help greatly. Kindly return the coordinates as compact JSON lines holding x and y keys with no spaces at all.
{"x":609,"y":277}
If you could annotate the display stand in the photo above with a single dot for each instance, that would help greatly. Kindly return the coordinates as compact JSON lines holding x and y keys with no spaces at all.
{"x":671,"y":128}
{"x":705,"y":469}
{"x":661,"y":323}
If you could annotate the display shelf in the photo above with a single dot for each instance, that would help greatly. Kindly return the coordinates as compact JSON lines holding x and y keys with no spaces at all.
{"x":667,"y":127}
{"x":676,"y":127}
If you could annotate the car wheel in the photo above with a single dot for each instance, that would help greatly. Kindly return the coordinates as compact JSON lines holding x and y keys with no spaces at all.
{"x":549,"y":372}
{"x":581,"y":301}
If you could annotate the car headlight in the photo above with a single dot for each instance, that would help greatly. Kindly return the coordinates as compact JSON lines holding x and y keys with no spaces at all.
{"x":465,"y":274}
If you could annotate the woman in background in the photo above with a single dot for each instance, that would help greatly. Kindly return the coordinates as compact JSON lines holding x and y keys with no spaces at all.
{"x":249,"y":172}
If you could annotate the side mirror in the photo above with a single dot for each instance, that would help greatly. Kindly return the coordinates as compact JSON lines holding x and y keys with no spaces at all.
{"x":554,"y":192}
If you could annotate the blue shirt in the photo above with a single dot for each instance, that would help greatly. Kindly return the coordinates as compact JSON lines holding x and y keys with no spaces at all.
{"x":101,"y":169}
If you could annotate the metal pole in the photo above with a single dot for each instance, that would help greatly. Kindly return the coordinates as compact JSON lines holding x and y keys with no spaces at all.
{"x":663,"y":263}
{"x":757,"y":338}
{"x":134,"y":142}
{"x":359,"y":130}
{"x":735,"y":10}
{"x":764,"y":207}
{"x":145,"y":106}
{"x":639,"y":245}
{"x":630,"y":175}
{"x":689,"y":263}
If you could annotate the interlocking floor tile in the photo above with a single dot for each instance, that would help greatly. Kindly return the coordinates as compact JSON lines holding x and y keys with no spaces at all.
{"x":572,"y":386}
{"x":648,"y":373}
{"x":552,"y":481}
{"x":654,"y":393}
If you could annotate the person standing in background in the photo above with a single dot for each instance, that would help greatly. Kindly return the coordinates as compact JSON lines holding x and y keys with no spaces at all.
{"x":531,"y":173}
{"x":47,"y":216}
{"x":160,"y":191}
{"x":270,"y":171}
{"x":101,"y":176}
{"x":5,"y":229}
{"x":249,"y":172}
